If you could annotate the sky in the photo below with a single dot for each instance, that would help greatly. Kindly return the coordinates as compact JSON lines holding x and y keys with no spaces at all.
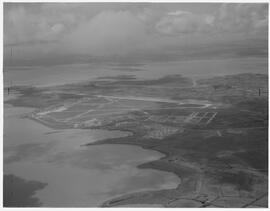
{"x":59,"y":33}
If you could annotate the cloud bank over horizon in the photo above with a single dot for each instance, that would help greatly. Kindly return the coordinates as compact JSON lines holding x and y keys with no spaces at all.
{"x":51,"y":30}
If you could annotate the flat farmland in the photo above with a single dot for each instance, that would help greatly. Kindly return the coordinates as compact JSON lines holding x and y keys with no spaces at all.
{"x":139,"y":104}
{"x":82,"y":107}
{"x":88,"y":109}
{"x":63,"y":115}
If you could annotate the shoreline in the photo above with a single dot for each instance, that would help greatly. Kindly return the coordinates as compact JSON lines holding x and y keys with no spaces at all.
{"x":140,"y":166}
{"x":147,"y":165}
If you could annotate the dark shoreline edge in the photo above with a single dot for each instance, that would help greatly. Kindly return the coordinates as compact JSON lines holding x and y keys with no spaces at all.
{"x":146,"y":165}
{"x":18,"y":192}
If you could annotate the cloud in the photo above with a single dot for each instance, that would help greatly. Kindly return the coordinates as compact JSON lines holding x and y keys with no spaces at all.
{"x":246,"y":18}
{"x":56,"y":21}
{"x":22,"y":26}
{"x":109,"y":32}
{"x":183,"y":22}
{"x":230,"y":18}
{"x":109,"y":29}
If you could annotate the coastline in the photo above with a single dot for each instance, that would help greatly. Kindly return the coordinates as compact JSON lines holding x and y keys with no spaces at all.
{"x":27,"y":116}
{"x":140,"y":166}
{"x":155,"y":165}
{"x":198,"y":155}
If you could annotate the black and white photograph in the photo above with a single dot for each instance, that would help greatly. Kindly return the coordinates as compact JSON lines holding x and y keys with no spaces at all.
{"x":135,"y":104}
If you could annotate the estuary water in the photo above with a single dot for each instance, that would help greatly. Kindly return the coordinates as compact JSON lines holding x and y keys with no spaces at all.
{"x":77,"y":176}
{"x":72,"y":73}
